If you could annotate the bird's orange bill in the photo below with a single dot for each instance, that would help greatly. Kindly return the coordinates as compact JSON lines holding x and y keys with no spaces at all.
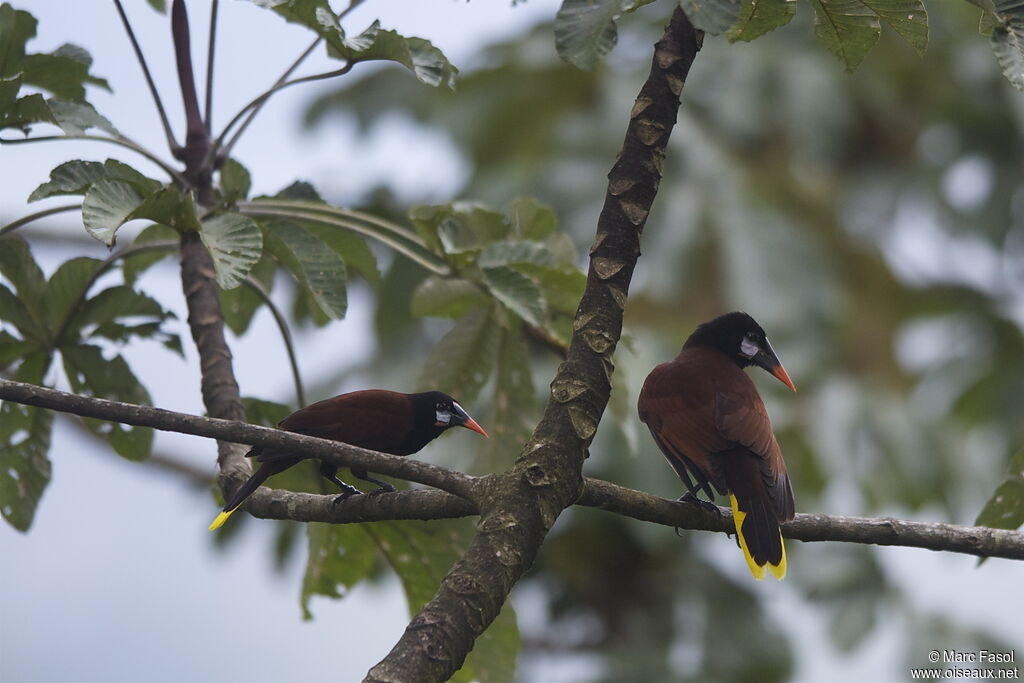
{"x":470,"y":423}
{"x":783,"y":376}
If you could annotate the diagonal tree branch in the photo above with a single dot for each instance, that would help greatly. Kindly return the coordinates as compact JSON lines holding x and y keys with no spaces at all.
{"x":448,"y":501}
{"x":520,"y":506}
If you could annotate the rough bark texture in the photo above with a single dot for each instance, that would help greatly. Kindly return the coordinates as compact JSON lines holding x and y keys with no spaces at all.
{"x":517,"y":508}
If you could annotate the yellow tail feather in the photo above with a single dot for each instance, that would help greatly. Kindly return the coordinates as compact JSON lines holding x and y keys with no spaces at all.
{"x":777,"y":570}
{"x":221,"y":518}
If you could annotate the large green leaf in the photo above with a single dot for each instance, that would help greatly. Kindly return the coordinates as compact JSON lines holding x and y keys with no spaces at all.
{"x":340,"y":556}
{"x":440,"y":297}
{"x":17,"y":27}
{"x":1008,"y":40}
{"x":108,"y":204}
{"x":517,"y":292}
{"x":71,"y":177}
{"x":90,"y":374}
{"x":234,"y":181}
{"x":169,"y":206}
{"x":111,"y":304}
{"x":240,"y":304}
{"x":24,"y":443}
{"x":352,"y":249}
{"x":1005,"y":509}
{"x":909,"y":18}
{"x":758,"y":17}
{"x":66,"y":288}
{"x":712,"y":16}
{"x":848,"y":28}
{"x":460,"y":363}
{"x":428,"y":63}
{"x":235,"y":243}
{"x":318,"y":268}
{"x":585,"y":30}
{"x":75,"y":118}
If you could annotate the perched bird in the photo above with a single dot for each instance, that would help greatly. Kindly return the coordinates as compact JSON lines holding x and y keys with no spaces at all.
{"x":706,"y":416}
{"x":386,"y":421}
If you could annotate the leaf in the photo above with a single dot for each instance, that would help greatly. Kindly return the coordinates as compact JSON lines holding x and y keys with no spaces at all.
{"x":909,"y":18}
{"x":508,"y":253}
{"x":108,"y":204}
{"x":266,"y":413}
{"x":460,"y":363}
{"x":531,"y":220}
{"x":440,"y":297}
{"x":458,"y":227}
{"x":352,"y":249}
{"x":75,"y":118}
{"x":1005,"y":509}
{"x":758,"y":17}
{"x":24,"y":443}
{"x":169,"y":206}
{"x":111,"y":304}
{"x":14,"y":311}
{"x":71,"y":177}
{"x":514,"y":409}
{"x":427,"y":63}
{"x":712,"y":16}
{"x":66,"y":288}
{"x":20,"y":268}
{"x":25,"y":111}
{"x":585,"y":30}
{"x":848,"y":28}
{"x":1008,"y":40}
{"x":518,"y":293}
{"x":234,"y":181}
{"x":17,"y":27}
{"x":316,"y":267}
{"x":63,"y":72}
{"x":240,"y":304}
{"x":12,"y":348}
{"x":90,"y":374}
{"x":135,"y":264}
{"x":235,"y":243}
{"x":340,"y":556}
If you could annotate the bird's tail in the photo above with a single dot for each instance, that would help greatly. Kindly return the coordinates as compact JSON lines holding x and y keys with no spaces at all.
{"x":241,"y":493}
{"x":760,"y":539}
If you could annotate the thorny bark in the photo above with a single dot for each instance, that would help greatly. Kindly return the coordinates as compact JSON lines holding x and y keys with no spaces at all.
{"x":517,"y":508}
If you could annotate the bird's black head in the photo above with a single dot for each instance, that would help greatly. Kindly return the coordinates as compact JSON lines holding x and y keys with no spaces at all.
{"x":439,"y":411}
{"x":739,"y":337}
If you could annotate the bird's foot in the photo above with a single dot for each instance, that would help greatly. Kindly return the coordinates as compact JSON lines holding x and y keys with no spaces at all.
{"x":708,"y":505}
{"x":386,"y":488}
{"x":347,"y":493}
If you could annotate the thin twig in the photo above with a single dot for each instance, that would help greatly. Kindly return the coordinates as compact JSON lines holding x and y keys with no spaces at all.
{"x":257,"y":103}
{"x":25,"y":220}
{"x":149,"y":78}
{"x":267,"y":209}
{"x":120,"y":141}
{"x":210,"y":50}
{"x":286,"y":335}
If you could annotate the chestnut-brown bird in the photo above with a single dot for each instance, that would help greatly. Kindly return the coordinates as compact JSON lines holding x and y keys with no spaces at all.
{"x":379,"y":420}
{"x":706,"y":416}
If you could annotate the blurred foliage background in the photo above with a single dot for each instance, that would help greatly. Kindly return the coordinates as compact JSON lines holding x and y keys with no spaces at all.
{"x":873,"y":223}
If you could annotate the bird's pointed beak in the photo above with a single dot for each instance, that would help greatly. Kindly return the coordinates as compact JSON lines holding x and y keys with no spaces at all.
{"x":470,"y":423}
{"x":767,"y":359}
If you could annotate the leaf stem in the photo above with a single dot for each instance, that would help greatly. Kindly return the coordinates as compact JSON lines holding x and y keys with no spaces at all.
{"x":120,"y":140}
{"x":261,"y":209}
{"x":286,"y":335}
{"x":210,"y":51}
{"x":149,"y":78}
{"x":14,"y":225}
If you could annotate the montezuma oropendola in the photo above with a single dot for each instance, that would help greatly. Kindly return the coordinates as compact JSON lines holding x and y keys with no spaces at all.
{"x":706,"y":416}
{"x":379,"y":420}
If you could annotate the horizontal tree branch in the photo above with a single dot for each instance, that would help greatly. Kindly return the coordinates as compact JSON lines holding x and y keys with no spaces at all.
{"x":334,"y":452}
{"x":455,"y":499}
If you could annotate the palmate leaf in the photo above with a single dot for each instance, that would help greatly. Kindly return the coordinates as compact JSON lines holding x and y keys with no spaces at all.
{"x":460,"y":363}
{"x":848,"y":28}
{"x":24,"y":442}
{"x":585,"y":30}
{"x":235,"y":243}
{"x":317,"y":268}
{"x":340,"y":556}
{"x":758,"y":17}
{"x":90,"y":374}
